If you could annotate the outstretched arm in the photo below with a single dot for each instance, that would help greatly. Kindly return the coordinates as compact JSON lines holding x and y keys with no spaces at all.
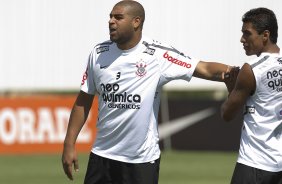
{"x":77,"y":119}
{"x":217,"y":72}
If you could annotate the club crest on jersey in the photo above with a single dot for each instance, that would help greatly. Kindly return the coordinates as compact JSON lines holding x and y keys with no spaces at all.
{"x":141,"y":68}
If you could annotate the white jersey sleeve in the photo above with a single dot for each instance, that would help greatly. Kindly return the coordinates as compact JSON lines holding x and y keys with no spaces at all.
{"x":174,"y":64}
{"x":87,"y":83}
{"x":177,"y":66}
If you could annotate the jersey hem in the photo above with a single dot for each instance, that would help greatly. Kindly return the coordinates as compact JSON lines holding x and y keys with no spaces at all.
{"x":262,"y":167}
{"x":123,"y":159}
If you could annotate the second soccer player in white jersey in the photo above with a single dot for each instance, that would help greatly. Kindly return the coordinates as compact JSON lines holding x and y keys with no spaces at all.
{"x":258,"y":90}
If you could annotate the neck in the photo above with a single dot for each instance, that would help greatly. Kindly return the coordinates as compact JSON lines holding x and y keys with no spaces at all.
{"x":273,"y":48}
{"x":130,"y":44}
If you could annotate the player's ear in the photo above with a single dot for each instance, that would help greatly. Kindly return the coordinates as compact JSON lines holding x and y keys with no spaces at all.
{"x":265,"y":35}
{"x":136,"y":22}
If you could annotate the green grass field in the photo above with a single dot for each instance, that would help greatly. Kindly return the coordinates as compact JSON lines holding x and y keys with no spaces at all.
{"x":176,"y":168}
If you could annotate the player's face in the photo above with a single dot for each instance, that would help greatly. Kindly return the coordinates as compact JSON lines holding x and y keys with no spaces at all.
{"x":121,"y":25}
{"x":252,"y":41}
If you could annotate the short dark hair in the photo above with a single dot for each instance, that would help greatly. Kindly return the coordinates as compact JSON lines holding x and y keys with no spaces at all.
{"x":136,"y":9}
{"x":263,"y":19}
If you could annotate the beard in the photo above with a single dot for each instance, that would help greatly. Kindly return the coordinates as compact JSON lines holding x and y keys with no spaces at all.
{"x":121,"y":38}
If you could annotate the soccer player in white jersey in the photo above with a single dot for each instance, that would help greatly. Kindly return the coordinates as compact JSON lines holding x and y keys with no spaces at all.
{"x":127,"y":74}
{"x":258,"y":90}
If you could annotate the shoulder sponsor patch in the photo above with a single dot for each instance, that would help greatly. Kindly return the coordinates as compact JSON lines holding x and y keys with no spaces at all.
{"x":102,"y":49}
{"x":149,"y":51}
{"x":279,"y":60}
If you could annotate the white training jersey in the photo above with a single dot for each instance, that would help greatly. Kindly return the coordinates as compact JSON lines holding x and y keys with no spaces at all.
{"x":261,"y":139}
{"x":128,"y":83}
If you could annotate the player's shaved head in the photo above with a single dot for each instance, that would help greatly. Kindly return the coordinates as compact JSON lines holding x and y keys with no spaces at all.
{"x":134,"y":8}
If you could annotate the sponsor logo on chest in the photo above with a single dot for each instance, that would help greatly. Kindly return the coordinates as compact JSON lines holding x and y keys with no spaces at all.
{"x":274,"y":79}
{"x":115,"y":99}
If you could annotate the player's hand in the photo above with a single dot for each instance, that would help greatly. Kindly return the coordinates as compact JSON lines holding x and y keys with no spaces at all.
{"x":230,"y":76}
{"x":69,"y":159}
